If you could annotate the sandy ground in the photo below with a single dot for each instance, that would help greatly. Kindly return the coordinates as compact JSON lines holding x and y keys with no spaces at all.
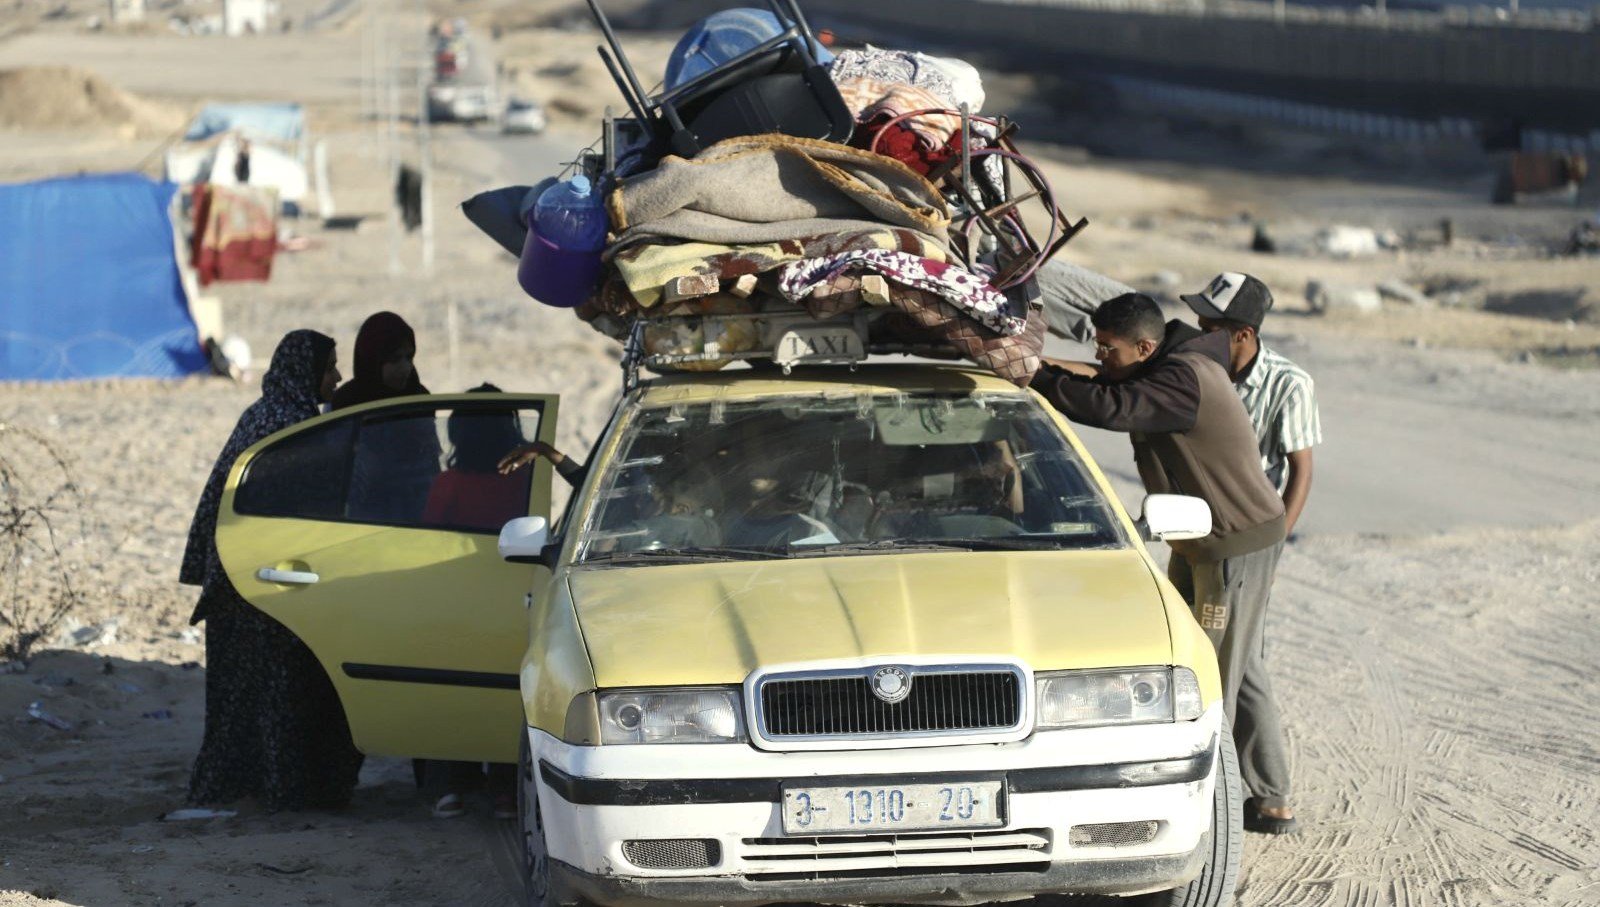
{"x":1430,"y":634}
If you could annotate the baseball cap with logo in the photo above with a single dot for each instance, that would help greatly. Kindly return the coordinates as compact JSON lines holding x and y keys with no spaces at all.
{"x":1233,"y":296}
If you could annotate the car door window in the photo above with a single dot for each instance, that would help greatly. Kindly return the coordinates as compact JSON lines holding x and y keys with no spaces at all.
{"x":428,"y":467}
{"x":301,"y":476}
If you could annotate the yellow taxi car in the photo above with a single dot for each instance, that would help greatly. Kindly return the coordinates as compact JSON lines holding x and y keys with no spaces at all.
{"x":842,"y":636}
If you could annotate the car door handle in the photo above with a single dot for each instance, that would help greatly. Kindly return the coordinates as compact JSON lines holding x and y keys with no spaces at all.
{"x":291,"y":577}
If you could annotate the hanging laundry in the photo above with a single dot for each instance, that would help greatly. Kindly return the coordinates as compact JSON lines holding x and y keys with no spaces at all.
{"x":235,"y":232}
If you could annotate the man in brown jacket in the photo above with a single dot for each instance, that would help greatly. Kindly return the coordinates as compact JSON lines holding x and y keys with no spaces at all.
{"x":1167,"y":386}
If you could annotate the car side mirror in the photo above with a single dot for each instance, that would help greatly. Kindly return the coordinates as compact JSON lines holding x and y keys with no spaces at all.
{"x":1174,"y":518}
{"x":522,"y":541}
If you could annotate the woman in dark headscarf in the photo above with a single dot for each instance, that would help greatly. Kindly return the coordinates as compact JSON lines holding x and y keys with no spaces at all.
{"x":397,"y":460}
{"x":385,"y":348}
{"x":274,"y":727}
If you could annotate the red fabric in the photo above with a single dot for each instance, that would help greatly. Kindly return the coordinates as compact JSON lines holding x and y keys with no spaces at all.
{"x":235,"y":233}
{"x":903,"y":144}
{"x":476,"y":500}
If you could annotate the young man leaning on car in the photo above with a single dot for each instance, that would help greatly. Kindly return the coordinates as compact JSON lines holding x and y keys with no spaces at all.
{"x":1167,"y":386}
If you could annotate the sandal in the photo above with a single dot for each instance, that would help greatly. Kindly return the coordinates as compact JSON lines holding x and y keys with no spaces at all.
{"x":448,"y":807}
{"x":505,"y":806}
{"x":1261,"y":823}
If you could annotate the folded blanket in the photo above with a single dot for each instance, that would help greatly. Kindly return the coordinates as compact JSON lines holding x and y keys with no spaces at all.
{"x":647,"y":267}
{"x":967,"y":292}
{"x":874,"y":103}
{"x":925,"y":317}
{"x":920,"y":318}
{"x":760,"y":189}
{"x":928,"y":73}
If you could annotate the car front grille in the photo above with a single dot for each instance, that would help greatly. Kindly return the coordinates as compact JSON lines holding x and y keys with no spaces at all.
{"x":673,"y":853}
{"x":942,"y":701}
{"x":870,"y":856}
{"x":1113,"y":834}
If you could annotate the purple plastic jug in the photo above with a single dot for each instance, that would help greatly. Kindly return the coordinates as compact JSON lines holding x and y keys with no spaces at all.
{"x":566,"y":233}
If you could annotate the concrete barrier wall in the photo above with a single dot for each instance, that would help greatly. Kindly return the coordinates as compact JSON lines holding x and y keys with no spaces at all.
{"x":1425,"y":65}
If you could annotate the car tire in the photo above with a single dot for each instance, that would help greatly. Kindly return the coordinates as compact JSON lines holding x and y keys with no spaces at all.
{"x":539,"y":888}
{"x":1215,"y":884}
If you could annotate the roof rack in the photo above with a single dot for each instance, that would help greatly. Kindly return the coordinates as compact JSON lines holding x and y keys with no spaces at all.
{"x":774,"y":333}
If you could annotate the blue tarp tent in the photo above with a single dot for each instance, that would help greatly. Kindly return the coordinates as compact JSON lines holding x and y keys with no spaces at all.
{"x":285,"y":123}
{"x":89,"y":284}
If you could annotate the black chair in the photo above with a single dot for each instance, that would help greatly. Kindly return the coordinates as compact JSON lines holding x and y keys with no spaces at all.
{"x":777,"y":86}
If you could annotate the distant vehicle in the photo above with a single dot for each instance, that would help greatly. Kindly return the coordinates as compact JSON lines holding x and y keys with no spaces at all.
{"x":463,"y":88}
{"x":445,"y":65}
{"x":460,"y":102}
{"x":523,"y":117}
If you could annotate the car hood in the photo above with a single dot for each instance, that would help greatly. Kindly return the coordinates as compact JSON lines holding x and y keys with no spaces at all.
{"x":715,"y":623}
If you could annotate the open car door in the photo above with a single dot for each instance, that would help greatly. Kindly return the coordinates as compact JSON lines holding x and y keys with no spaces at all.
{"x":371,"y":534}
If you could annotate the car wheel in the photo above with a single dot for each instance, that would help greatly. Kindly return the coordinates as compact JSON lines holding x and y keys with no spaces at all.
{"x":535,"y":859}
{"x":1215,"y":885}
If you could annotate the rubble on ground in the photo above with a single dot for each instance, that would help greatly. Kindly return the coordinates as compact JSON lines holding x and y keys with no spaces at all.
{"x":1328,"y":298}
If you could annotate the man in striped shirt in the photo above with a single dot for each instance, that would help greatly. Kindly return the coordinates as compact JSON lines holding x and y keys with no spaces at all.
{"x":1280,"y":399}
{"x":1278,"y":394}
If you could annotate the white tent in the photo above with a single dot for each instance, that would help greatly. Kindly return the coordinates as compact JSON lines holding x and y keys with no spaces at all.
{"x":213,"y":162}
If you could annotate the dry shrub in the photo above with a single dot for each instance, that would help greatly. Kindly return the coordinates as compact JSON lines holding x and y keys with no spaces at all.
{"x":43,"y":514}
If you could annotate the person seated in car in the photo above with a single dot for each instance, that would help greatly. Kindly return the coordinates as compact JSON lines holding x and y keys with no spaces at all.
{"x":769,"y":487}
{"x":774,"y":514}
{"x":472,"y":492}
{"x":952,"y":492}
{"x":571,"y":471}
{"x":994,"y":484}
{"x":680,"y":519}
{"x":853,"y":514}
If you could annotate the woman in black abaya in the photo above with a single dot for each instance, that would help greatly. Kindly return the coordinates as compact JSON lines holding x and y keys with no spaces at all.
{"x":274,"y":727}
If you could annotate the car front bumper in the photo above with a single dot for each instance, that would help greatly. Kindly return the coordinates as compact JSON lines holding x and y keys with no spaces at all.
{"x":595,"y":800}
{"x":1128,"y":875}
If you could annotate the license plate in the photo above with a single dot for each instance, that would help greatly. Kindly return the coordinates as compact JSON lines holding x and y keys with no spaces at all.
{"x":818,"y":343}
{"x":892,"y":807}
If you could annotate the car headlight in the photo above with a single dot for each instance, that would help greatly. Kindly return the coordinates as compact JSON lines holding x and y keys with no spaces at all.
{"x":1085,"y":698}
{"x":671,"y":716}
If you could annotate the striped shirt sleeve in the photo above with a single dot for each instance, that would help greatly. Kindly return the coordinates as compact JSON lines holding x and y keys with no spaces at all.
{"x":1299,"y":426}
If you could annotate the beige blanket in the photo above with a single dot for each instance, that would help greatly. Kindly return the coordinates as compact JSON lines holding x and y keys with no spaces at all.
{"x":760,"y":189}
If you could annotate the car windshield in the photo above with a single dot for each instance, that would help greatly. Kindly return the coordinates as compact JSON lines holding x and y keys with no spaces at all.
{"x":822,"y":476}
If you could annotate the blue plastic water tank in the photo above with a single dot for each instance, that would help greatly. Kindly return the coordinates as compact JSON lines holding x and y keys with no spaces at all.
{"x":721,"y":37}
{"x":566,"y":234}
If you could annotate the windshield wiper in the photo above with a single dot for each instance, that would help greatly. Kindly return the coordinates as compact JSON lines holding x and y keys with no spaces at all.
{"x":876,"y":546}
{"x":686,"y":555}
{"x":1005,"y":543}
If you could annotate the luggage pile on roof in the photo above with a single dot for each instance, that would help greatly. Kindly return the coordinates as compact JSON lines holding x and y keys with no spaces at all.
{"x":778,"y":200}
